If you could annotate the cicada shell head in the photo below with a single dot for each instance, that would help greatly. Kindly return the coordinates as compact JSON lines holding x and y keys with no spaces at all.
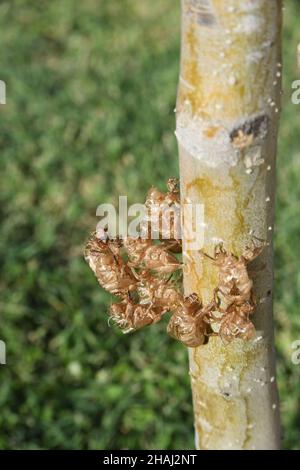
{"x":94,"y":250}
{"x":173,"y":185}
{"x":250,"y":254}
{"x":154,"y":197}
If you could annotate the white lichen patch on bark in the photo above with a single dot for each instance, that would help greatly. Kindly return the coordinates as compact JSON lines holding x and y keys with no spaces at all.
{"x":191,"y":136}
{"x":227,"y":113}
{"x":250,"y":24}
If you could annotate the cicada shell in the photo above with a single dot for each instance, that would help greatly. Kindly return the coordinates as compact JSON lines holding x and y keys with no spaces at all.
{"x":250,"y":253}
{"x":157,"y":258}
{"x":142,"y":253}
{"x":116,"y":279}
{"x":110,"y":270}
{"x":135,"y":248}
{"x":235,"y":323}
{"x":164,"y":214}
{"x":131,"y":317}
{"x":93,"y":249}
{"x":234,"y":280}
{"x":157,"y":198}
{"x":158,"y":292}
{"x":234,"y":326}
{"x":187,"y":324}
{"x":170,"y":226}
{"x":235,"y":284}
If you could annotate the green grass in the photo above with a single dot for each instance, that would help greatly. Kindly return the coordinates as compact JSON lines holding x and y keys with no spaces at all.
{"x":91,"y":89}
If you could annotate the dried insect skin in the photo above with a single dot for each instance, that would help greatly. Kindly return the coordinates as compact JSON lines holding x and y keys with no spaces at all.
{"x":235,"y":285}
{"x":142,"y":253}
{"x":157,"y":198}
{"x":236,"y":290}
{"x":158,"y":292}
{"x":236,"y":324}
{"x":186,"y":329}
{"x":164,"y":211}
{"x":173,"y":194}
{"x":109,"y":268}
{"x":98,"y":251}
{"x":190,"y":322}
{"x":129,"y":316}
{"x":136,"y":248}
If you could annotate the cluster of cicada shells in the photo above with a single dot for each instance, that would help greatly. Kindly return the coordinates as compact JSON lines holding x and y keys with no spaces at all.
{"x":234,"y":295}
{"x":146,"y":276}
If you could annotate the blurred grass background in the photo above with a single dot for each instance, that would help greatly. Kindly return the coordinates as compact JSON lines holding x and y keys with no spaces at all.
{"x":91,"y":89}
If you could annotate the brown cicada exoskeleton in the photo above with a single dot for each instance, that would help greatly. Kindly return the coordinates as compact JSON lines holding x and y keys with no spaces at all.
{"x":111,"y":271}
{"x":190,"y":324}
{"x":235,"y":323}
{"x":143,"y":254}
{"x":235,"y":284}
{"x":130,"y":316}
{"x":158,"y":292}
{"x":156,"y":197}
{"x":164,"y":215}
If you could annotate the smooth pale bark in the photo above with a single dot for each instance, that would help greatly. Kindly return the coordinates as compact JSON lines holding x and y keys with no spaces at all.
{"x":230,"y":81}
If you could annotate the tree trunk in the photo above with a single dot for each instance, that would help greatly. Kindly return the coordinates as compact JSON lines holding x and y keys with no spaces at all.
{"x":227,"y":117}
